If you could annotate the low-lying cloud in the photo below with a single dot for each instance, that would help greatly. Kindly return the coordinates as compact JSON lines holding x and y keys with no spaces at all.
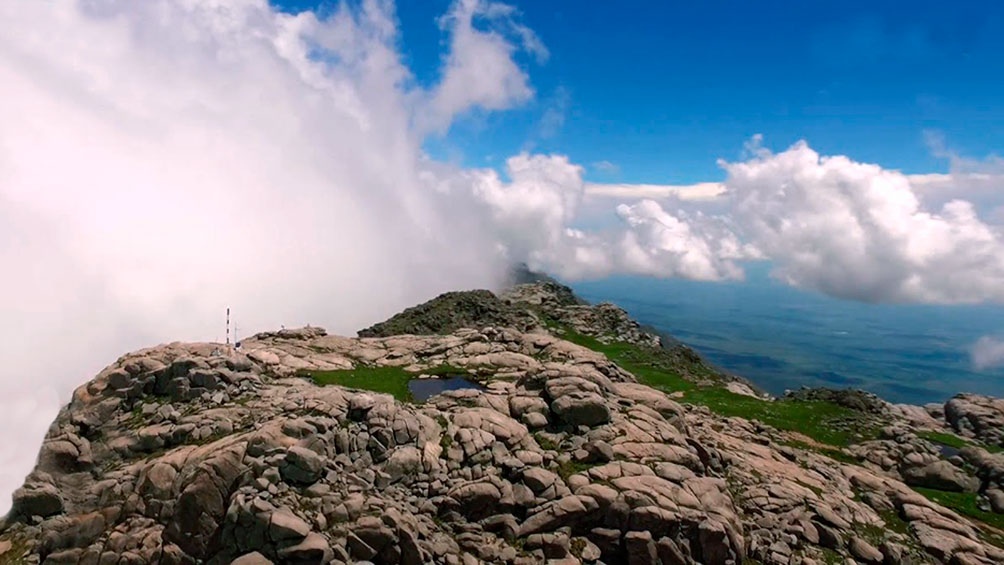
{"x":987,"y":353}
{"x":163,"y":160}
{"x":858,"y":231}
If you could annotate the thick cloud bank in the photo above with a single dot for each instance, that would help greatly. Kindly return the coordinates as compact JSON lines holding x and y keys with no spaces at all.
{"x":165,"y":159}
{"x":858,"y":231}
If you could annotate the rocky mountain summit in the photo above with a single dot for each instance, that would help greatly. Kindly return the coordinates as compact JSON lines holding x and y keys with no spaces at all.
{"x":579,"y":437}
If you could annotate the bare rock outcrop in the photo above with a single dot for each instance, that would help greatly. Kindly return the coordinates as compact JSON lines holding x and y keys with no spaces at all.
{"x":976,"y":416}
{"x":191,"y":453}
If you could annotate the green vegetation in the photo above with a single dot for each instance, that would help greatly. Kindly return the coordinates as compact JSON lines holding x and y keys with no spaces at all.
{"x":388,"y":380}
{"x":964,"y":503}
{"x":834,"y":453}
{"x":831,"y":557}
{"x":952,"y":440}
{"x":824,"y":422}
{"x":545,"y":442}
{"x":446,"y":442}
{"x":15,"y":554}
{"x":569,"y":468}
{"x":668,"y":370}
{"x":895,"y":522}
{"x":577,"y":546}
{"x":451,"y":311}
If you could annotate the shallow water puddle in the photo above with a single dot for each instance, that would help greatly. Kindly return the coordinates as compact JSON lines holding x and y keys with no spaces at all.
{"x":424,"y":389}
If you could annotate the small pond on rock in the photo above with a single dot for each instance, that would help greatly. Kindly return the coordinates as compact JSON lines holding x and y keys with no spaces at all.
{"x":424,"y":389}
{"x":945,"y":449}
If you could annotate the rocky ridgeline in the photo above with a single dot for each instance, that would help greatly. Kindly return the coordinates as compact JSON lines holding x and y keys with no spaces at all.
{"x":523,"y":307}
{"x":606,"y":322}
{"x":544,"y":305}
{"x":186,"y":453}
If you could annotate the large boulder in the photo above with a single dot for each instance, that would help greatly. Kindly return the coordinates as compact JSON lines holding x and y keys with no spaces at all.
{"x":940,"y":475}
{"x":302,"y":466}
{"x":581,"y":408}
{"x":37,"y":499}
{"x":981,"y":417}
{"x":204,"y":498}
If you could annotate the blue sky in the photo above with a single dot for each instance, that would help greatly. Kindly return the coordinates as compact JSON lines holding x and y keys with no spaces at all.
{"x":663,"y":89}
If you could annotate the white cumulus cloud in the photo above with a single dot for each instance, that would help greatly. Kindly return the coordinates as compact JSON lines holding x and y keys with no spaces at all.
{"x":705,"y":191}
{"x":858,"y":231}
{"x":479,"y":69}
{"x":987,"y":353}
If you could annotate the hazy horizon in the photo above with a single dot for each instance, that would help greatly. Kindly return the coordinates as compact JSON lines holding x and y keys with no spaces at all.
{"x":783,"y":339}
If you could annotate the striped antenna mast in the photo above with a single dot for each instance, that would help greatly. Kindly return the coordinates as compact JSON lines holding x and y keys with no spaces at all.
{"x":228,"y":326}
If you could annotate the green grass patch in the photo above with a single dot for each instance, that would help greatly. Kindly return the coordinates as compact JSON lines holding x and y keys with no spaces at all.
{"x":832,"y":452}
{"x":952,"y":440}
{"x":964,"y":503}
{"x":388,"y":380}
{"x":577,"y":546}
{"x":831,"y":557}
{"x":545,"y":442}
{"x":569,"y":468}
{"x":446,"y":442}
{"x":895,"y":522}
{"x":944,"y":438}
{"x":822,"y":421}
{"x":674,"y":371}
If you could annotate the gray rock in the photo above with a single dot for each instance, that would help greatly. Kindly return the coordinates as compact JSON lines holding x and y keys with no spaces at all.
{"x":539,"y":479}
{"x":203,"y":501}
{"x":158,"y":481}
{"x":640,"y":548}
{"x":314,"y":549}
{"x":285,"y":525}
{"x":37,"y":499}
{"x":61,"y":456}
{"x":375,"y":534}
{"x":620,"y":471}
{"x":864,"y":551}
{"x":358,"y":548}
{"x":535,"y":420}
{"x":404,"y":462}
{"x":581,"y":408}
{"x":599,"y":451}
{"x":996,"y":498}
{"x":253,"y":558}
{"x":477,"y":500}
{"x":559,"y":513}
{"x":715,"y":541}
{"x":940,"y":475}
{"x":978,"y":416}
{"x":302,"y":466}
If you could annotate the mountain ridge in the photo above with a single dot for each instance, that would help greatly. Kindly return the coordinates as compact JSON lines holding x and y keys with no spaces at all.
{"x":588,"y":439}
